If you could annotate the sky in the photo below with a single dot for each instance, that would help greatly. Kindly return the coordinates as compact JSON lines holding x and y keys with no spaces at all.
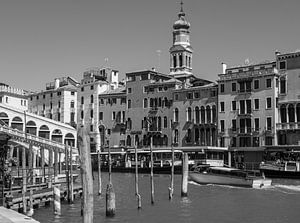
{"x":42,"y":39}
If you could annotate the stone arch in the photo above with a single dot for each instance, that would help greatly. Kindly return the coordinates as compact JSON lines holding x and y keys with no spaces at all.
{"x":31,"y":128}
{"x":44,"y":132}
{"x":4,"y":119}
{"x":17,"y":123}
{"x":69,"y":139}
{"x":57,"y":135}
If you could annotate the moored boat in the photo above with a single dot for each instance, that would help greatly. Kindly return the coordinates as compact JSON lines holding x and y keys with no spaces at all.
{"x":227,"y":176}
{"x":281,"y":169}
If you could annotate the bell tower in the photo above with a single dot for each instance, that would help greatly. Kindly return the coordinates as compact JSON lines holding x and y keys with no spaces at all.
{"x":181,"y":51}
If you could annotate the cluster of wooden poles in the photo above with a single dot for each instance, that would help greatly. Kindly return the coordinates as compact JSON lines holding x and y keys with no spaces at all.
{"x":87,"y":179}
{"x":29,"y":177}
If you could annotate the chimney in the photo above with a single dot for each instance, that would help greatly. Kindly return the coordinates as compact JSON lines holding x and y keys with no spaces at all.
{"x":277,"y":52}
{"x":56,"y":83}
{"x":224,"y":67}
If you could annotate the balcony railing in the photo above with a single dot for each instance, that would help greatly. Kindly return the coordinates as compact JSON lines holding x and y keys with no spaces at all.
{"x":288,"y":126}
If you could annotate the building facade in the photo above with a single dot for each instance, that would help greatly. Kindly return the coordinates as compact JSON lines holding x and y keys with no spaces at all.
{"x":57,"y":102}
{"x":14,"y":97}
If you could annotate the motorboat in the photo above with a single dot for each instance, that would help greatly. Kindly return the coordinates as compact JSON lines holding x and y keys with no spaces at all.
{"x":281,"y":169}
{"x":204,"y":174}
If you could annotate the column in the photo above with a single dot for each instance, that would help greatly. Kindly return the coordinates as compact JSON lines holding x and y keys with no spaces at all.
{"x":42,"y":151}
{"x":30,"y":154}
{"x":295,"y":111}
{"x":287,"y":113}
{"x":229,"y":159}
{"x":210,"y":137}
{"x":59,"y":163}
{"x":50,"y":167}
{"x":205,"y":116}
{"x":34,"y":155}
{"x":55,"y":162}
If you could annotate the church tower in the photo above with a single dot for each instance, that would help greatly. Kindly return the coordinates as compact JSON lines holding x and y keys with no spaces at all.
{"x":181,"y":52}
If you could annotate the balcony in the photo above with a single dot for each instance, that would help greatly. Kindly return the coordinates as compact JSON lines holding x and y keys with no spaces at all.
{"x":245,"y":91}
{"x":245,"y":131}
{"x":288,"y":126}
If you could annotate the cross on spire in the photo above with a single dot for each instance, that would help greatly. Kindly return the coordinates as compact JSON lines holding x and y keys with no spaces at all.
{"x":181,"y":7}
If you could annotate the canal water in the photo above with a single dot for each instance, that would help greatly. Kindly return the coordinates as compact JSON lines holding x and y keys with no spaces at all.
{"x":208,"y":203}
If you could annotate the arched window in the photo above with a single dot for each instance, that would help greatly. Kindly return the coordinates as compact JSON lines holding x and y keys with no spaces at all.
{"x":174,"y":61}
{"x":188,"y":137}
{"x":165,"y":122}
{"x":159,"y":123}
{"x":176,"y":115}
{"x":202,"y":115}
{"x":208,"y":114}
{"x":197,"y":115}
{"x":180,"y":60}
{"x":189,"y":114}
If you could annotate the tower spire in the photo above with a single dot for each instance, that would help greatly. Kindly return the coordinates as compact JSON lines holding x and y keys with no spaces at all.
{"x":181,"y":13}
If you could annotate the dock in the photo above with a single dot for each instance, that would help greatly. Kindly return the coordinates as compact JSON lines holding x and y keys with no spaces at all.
{"x":10,"y":216}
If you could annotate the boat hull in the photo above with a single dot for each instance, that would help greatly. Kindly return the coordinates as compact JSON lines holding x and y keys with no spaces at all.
{"x":281,"y":174}
{"x":205,"y":178}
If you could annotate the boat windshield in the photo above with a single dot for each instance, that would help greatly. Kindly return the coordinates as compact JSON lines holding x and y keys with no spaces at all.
{"x":231,"y":172}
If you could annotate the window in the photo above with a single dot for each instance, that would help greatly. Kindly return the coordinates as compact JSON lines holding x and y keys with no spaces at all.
{"x":282,"y":65}
{"x":123,"y":101}
{"x":189,"y":95}
{"x":44,"y":96}
{"x":72,"y":114}
{"x":233,"y":124}
{"x":129,"y":90}
{"x":256,"y":124}
{"x":114,"y":101}
{"x":51,"y":95}
{"x":82,"y":100}
{"x":82,"y":115}
{"x":44,"y":106}
{"x":51,"y":105}
{"x":176,"y":97}
{"x":72,"y":105}
{"x":256,"y":104}
{"x":222,"y":125}
{"x":58,"y":104}
{"x":91,"y":128}
{"x":268,"y":83}
{"x":233,"y":87}
{"x":92,"y":87}
{"x":165,"y":122}
{"x":222,"y":106}
{"x":37,"y":98}
{"x":113,"y":117}
{"x":129,"y":104}
{"x":233,"y":106}
{"x":72,"y":92}
{"x":92,"y":113}
{"x":196,"y":94}
{"x":222,"y":88}
{"x":269,"y":103}
{"x":160,"y":89}
{"x":59,"y":93}
{"x":92,"y":99}
{"x":269,"y":123}
{"x":58,"y":116}
{"x":100,"y":116}
{"x":145,"y":103}
{"x":282,"y":86}
{"x":256,"y":84}
{"x":82,"y":89}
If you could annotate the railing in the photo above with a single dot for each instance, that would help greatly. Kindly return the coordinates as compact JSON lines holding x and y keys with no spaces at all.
{"x":288,"y":126}
{"x":20,"y":136}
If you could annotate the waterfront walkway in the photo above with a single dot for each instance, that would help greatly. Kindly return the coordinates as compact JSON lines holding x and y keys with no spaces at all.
{"x":10,"y":216}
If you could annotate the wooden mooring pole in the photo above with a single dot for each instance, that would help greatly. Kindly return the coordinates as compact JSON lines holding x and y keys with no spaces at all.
{"x":71,"y":176}
{"x":151,"y":171}
{"x":24,"y":180}
{"x":171,"y":188}
{"x":185,"y":173}
{"x":139,"y":199}
{"x":56,"y":200}
{"x":86,"y":175}
{"x":67,"y":173}
{"x":110,"y":194}
{"x":99,"y":173}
